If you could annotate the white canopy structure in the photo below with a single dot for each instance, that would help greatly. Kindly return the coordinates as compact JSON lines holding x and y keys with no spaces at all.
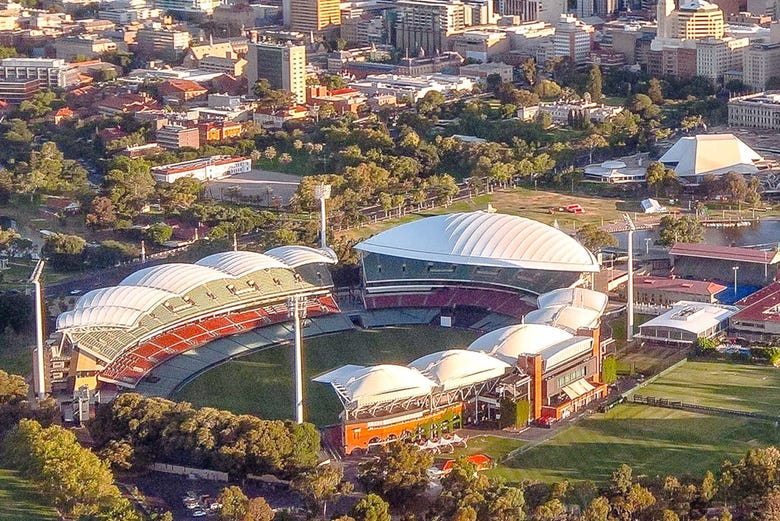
{"x":240,"y":263}
{"x":295,"y":256}
{"x":571,"y":318}
{"x":175,"y":277}
{"x":457,"y":368}
{"x":713,"y":154}
{"x":360,"y":387}
{"x":579,"y":297}
{"x":507,"y":343}
{"x":561,"y":352}
{"x":484,"y":239}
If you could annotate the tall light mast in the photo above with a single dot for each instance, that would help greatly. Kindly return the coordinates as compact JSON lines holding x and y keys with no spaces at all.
{"x":321,"y":193}
{"x":630,"y":288}
{"x":296,"y":309}
{"x":38,"y":375}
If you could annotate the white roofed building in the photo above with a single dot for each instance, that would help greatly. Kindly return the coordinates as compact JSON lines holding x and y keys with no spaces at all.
{"x":686,"y":322}
{"x":694,"y":157}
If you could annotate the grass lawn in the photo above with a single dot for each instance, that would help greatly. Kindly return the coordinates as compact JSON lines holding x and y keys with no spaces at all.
{"x":494,"y":446}
{"x":654,"y":441}
{"x":722,"y":384}
{"x":261,"y":383}
{"x":16,"y":353}
{"x":20,"y":501}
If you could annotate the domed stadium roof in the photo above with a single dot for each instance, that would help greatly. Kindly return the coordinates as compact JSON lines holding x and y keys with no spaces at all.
{"x":384,"y":383}
{"x":484,"y":239}
{"x":507,"y":343}
{"x":579,"y":297}
{"x":458,"y":367}
{"x":240,"y":263}
{"x":571,"y":318}
{"x":105,"y":316}
{"x":174,"y":277}
{"x":295,"y":256}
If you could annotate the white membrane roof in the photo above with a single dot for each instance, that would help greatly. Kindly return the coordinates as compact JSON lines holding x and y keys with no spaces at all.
{"x":484,"y":239}
{"x":456,"y":368}
{"x":240,"y":263}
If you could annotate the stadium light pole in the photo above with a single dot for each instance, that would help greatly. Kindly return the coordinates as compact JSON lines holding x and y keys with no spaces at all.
{"x":735,"y":268}
{"x":296,"y":308}
{"x":321,"y":193}
{"x":39,"y":376}
{"x":630,"y":285}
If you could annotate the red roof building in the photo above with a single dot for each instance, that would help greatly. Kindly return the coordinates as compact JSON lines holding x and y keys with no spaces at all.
{"x":759,"y":316}
{"x":663,"y":292}
{"x":711,"y":262}
{"x":182,"y":90}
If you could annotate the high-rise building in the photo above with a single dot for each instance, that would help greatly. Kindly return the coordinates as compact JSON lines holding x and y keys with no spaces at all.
{"x":549,"y":11}
{"x":714,"y":57}
{"x":697,"y":19}
{"x":761,"y":62}
{"x":283,"y":65}
{"x":603,"y":8}
{"x":168,"y":44}
{"x":314,"y":15}
{"x":573,"y":38}
{"x":423,"y":25}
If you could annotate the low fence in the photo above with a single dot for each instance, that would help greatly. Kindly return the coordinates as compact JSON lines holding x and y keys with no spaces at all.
{"x":674,"y":404}
{"x":653,"y":378}
{"x":208,"y":474}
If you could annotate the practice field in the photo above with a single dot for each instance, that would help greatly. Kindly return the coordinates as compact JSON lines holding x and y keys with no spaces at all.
{"x":654,"y":441}
{"x":721,"y":384}
{"x":262,"y":383}
{"x":19,"y":500}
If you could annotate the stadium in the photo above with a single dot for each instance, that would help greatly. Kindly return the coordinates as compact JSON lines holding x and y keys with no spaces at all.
{"x":117,"y":335}
{"x":515,"y":279}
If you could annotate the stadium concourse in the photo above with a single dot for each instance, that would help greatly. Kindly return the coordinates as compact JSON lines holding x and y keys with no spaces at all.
{"x":115,"y":336}
{"x":475,"y":269}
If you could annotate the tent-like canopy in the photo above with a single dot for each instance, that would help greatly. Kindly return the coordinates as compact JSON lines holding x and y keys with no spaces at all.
{"x":571,"y":318}
{"x":457,"y":368}
{"x":714,"y":154}
{"x":507,"y":343}
{"x":579,"y":297}
{"x":362,"y":386}
{"x":175,"y":277}
{"x":240,"y":263}
{"x":294,"y":256}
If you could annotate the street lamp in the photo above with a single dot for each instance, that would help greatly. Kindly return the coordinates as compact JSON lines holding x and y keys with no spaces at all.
{"x":735,"y":268}
{"x":630,"y":288}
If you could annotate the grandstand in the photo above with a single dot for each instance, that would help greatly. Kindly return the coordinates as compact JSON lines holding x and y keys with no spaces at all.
{"x":118,"y":335}
{"x":494,"y":262}
{"x":554,"y":369}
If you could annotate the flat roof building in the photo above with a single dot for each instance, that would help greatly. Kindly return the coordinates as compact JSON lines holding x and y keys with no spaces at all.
{"x":283,"y":65}
{"x":686,"y":322}
{"x":758,"y":318}
{"x":206,"y":169}
{"x":761,"y":110}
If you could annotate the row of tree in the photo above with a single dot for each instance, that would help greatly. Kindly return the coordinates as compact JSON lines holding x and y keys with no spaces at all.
{"x":132,"y":431}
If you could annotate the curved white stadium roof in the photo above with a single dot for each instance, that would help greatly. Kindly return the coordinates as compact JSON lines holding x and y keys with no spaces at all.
{"x":484,"y":239}
{"x":294,"y":256}
{"x":174,"y":277}
{"x":507,"y":343}
{"x":579,"y":297}
{"x":113,"y":316}
{"x":133,"y":297}
{"x":240,"y":263}
{"x":569,"y":317}
{"x":384,"y":383}
{"x":456,"y":368}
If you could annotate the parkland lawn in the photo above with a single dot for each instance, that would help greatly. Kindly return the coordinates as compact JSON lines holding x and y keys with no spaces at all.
{"x":20,"y":501}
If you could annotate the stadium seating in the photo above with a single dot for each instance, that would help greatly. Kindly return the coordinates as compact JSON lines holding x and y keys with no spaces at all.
{"x":496,"y":301}
{"x":131,"y":366}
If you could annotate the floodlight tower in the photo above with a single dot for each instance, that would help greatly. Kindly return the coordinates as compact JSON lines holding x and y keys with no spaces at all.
{"x":38,"y":374}
{"x":630,"y":288}
{"x":296,"y":308}
{"x":321,"y":193}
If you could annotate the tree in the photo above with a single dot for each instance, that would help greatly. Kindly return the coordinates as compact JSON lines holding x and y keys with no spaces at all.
{"x":269,"y":98}
{"x":597,"y":510}
{"x":529,"y":71}
{"x":685,"y":229}
{"x":655,"y":92}
{"x":661,"y":179}
{"x":64,"y":251}
{"x":594,"y":238}
{"x":333,"y":81}
{"x":399,"y":473}
{"x":159,"y":233}
{"x":552,"y":510}
{"x":258,"y":509}
{"x":234,"y":504}
{"x":371,"y":508}
{"x":593,"y":141}
{"x":593,"y":85}
{"x":321,"y":485}
{"x":101,"y":213}
{"x":130,"y":185}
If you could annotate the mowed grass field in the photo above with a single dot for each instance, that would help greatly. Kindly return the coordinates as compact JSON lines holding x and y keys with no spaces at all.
{"x":262,"y":383}
{"x":20,"y":501}
{"x":721,"y":384}
{"x":654,"y":441}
